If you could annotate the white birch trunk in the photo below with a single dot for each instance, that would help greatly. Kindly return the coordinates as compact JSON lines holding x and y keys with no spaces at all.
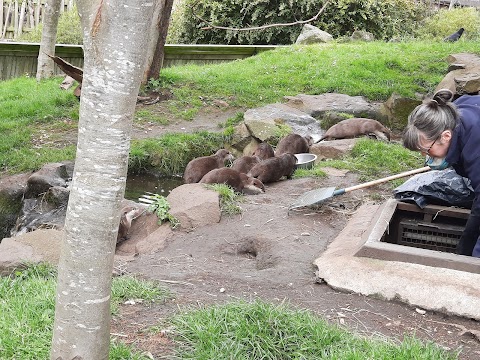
{"x":114,"y":47}
{"x":45,"y":65}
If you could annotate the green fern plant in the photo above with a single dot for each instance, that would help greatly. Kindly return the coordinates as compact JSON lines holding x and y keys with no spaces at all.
{"x":161,"y":207}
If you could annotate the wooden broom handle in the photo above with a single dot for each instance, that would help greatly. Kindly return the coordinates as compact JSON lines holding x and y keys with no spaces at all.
{"x":393,"y":177}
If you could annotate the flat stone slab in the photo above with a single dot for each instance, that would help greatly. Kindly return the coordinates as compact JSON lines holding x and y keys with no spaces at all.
{"x":430,"y":288}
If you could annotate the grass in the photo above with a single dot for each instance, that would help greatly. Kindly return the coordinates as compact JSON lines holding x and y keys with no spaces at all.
{"x":170,"y":154}
{"x":236,"y":330}
{"x":31,"y":110}
{"x":27,"y":308}
{"x":371,"y":159}
{"x":27,"y":108}
{"x":374,"y":70}
{"x":228,"y":199}
{"x":260,"y":330}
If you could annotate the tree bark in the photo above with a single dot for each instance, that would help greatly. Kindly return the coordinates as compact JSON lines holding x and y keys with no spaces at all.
{"x":45,"y":65}
{"x":156,"y":52}
{"x":115,"y":33}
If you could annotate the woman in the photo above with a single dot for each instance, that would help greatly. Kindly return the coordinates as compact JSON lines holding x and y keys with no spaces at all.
{"x":449,"y":132}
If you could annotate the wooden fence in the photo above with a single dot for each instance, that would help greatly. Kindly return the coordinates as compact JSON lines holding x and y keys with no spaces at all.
{"x":20,"y":59}
{"x":19,"y":16}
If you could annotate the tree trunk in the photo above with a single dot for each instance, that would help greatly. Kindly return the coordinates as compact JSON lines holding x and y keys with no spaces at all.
{"x":45,"y":65}
{"x":115,"y":33}
{"x":156,"y":52}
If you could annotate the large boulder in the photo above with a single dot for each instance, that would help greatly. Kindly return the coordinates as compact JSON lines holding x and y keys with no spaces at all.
{"x":263,"y":122}
{"x":326,"y":105}
{"x":12,"y":189}
{"x":396,"y":110}
{"x":51,"y":174}
{"x":335,"y":149}
{"x":361,"y":35}
{"x":43,"y":245}
{"x":312,"y":35}
{"x":194,"y":205}
{"x":260,"y":124}
{"x":45,"y":199}
{"x":464,"y":75}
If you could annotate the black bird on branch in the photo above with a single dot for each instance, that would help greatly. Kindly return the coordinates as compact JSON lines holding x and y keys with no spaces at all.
{"x":455,"y":36}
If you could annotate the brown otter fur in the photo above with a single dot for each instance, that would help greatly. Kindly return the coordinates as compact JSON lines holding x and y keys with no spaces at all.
{"x":272,"y":169}
{"x":128,"y":214}
{"x":351,"y":128}
{"x":294,"y":144}
{"x":240,"y":182}
{"x":264,"y":151}
{"x":245,"y":163}
{"x":198,"y":167}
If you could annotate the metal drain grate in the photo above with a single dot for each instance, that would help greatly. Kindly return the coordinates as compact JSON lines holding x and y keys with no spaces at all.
{"x":440,"y":237}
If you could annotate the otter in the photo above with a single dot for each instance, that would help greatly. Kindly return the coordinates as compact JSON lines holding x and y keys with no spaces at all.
{"x":240,"y":182}
{"x":198,"y":167}
{"x":264,"y":151}
{"x":273,"y":169}
{"x":351,"y":128}
{"x":245,"y":163}
{"x":128,"y":214}
{"x":294,"y":144}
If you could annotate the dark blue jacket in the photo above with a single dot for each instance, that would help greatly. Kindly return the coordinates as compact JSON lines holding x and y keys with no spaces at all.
{"x":464,"y":155}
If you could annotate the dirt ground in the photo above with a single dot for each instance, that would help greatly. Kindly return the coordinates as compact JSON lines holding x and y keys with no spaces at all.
{"x":267,"y":253}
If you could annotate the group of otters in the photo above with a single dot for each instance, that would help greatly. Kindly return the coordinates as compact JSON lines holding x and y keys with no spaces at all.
{"x":249,"y":173}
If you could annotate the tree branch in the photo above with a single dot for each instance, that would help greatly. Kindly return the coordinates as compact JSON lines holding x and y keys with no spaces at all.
{"x":211,"y":26}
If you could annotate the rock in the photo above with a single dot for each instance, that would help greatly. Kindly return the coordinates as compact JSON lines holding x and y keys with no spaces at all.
{"x":58,"y":196}
{"x":194,"y":205}
{"x":146,"y":236}
{"x":251,"y":147}
{"x":241,"y":138}
{"x":334,"y":149}
{"x":156,"y":241}
{"x":42,"y":245}
{"x":46,"y":211}
{"x":12,"y":189}
{"x":320,"y":106}
{"x":360,"y":35}
{"x":51,"y":174}
{"x":279,"y":114}
{"x":260,"y":124}
{"x":468,"y":83}
{"x":463,"y":76}
{"x":396,"y":109}
{"x":312,"y":35}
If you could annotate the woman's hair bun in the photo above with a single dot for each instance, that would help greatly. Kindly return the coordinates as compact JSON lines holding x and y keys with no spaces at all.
{"x":443,"y":96}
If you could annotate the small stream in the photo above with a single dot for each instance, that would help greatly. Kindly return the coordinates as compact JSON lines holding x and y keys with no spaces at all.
{"x":137,"y":185}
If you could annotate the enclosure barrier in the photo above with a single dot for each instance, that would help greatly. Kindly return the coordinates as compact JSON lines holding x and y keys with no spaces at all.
{"x":19,"y":16}
{"x":20,"y":59}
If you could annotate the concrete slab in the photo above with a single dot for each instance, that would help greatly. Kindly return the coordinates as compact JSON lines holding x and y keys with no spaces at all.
{"x":430,"y":288}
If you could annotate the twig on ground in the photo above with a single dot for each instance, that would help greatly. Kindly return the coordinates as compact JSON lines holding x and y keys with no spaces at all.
{"x":175,"y":282}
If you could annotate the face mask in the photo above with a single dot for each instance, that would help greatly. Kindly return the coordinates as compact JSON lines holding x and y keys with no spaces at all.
{"x":436,"y":163}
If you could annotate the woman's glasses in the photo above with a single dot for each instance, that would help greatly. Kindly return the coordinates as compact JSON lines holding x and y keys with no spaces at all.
{"x":427,"y":150}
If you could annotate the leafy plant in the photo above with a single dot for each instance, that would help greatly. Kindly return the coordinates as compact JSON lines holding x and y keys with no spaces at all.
{"x":445,"y":22}
{"x":160,"y":207}
{"x":384,"y":18}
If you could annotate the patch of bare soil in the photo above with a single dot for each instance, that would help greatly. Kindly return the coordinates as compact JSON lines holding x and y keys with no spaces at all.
{"x":209,"y":118}
{"x":267,"y":253}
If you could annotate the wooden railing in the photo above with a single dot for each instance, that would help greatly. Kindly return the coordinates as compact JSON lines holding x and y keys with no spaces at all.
{"x":19,"y":16}
{"x":20,"y":59}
